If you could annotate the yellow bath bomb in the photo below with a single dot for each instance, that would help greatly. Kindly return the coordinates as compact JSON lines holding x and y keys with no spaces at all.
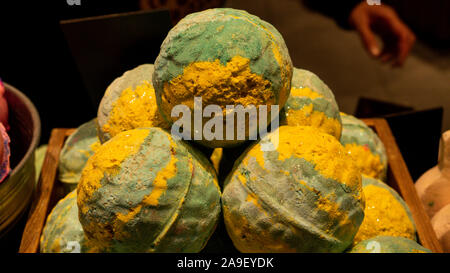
{"x":129,"y":103}
{"x":311,"y":103}
{"x":364,"y":145}
{"x":385,"y":214}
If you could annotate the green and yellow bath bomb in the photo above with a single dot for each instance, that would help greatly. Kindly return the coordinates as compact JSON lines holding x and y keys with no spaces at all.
{"x":388,"y":244}
{"x":128,"y":103}
{"x":225,"y":57}
{"x":385,"y":214}
{"x":294,"y":191}
{"x":366,"y":148}
{"x":143,"y":191}
{"x":63,"y":232}
{"x":77,"y":149}
{"x":311,"y":103}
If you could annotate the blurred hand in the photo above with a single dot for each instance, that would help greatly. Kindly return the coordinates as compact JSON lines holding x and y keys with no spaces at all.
{"x":382,"y":20}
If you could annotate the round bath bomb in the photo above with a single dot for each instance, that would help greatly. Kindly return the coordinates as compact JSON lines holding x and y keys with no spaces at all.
{"x":385,"y":214}
{"x":63,"y":232}
{"x":311,"y":103}
{"x":143,"y":191}
{"x":388,"y":244}
{"x":225,"y":57}
{"x":76,"y":151}
{"x":366,"y":148}
{"x":303,"y":196}
{"x":128,"y":103}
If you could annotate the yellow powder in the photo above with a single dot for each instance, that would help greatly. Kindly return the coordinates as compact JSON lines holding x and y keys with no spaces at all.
{"x":160,"y":182}
{"x":305,"y":92}
{"x":229,"y":84}
{"x":106,"y":161}
{"x":94,"y":146}
{"x":332,"y":208}
{"x":384,"y":215}
{"x":367,"y":163}
{"x":308,"y":117}
{"x":257,"y":153}
{"x":216,"y":157}
{"x":323,"y":150}
{"x":133,"y":109}
{"x":283,"y":95}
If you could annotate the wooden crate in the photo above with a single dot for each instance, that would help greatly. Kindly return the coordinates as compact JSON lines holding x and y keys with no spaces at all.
{"x":49,"y":189}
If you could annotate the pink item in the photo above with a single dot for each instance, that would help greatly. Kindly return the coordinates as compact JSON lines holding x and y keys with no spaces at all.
{"x":3,"y":107}
{"x":4,"y":154}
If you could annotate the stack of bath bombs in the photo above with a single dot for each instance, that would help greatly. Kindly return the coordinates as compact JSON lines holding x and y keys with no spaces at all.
{"x":295,"y":189}
{"x":4,"y":138}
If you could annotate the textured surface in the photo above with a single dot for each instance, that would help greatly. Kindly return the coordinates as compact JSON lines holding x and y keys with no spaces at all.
{"x":142,"y":191}
{"x":388,"y":244}
{"x":75,"y":153}
{"x":311,"y":103}
{"x":363,"y":144}
{"x":129,"y":102}
{"x":385,"y":214}
{"x":305,"y":196}
{"x":225,"y":56}
{"x":62,"y":231}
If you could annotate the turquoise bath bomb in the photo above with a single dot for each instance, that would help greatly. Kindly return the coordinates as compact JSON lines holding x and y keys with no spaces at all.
{"x":226,"y":57}
{"x":303,"y":196}
{"x":389,"y":244}
{"x":77,"y":149}
{"x":63,"y":232}
{"x":143,"y":191}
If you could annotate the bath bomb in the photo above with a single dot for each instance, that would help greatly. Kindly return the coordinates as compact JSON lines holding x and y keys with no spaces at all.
{"x":62,"y":232}
{"x":311,"y":103}
{"x":303,"y":195}
{"x":385,"y":214}
{"x":4,"y":154}
{"x":76,"y":151}
{"x":441,"y":225}
{"x":3,"y":107}
{"x":128,"y":103}
{"x":364,"y":145}
{"x":388,"y":244}
{"x":144,"y":191}
{"x":225,"y":57}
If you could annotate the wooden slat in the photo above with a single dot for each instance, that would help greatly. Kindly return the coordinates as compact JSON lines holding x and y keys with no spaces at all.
{"x":405,"y":185}
{"x":40,"y":206}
